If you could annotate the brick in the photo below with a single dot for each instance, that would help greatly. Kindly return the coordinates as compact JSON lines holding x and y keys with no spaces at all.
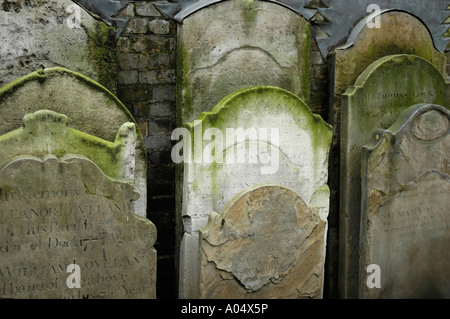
{"x":162,"y":173}
{"x":134,"y":93}
{"x":159,"y":26}
{"x":141,"y":109}
{"x":128,"y":11}
{"x":159,"y":60}
{"x":123,"y":45}
{"x":158,"y":125}
{"x":164,"y":93}
{"x":127,"y":77}
{"x":136,"y":25}
{"x":158,"y":140}
{"x":161,"y":109}
{"x":127,"y":61}
{"x":146,"y":9}
{"x":157,"y":77}
{"x":161,"y":157}
{"x":161,"y":203}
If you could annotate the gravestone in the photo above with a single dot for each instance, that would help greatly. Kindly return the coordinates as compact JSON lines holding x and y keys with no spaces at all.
{"x":39,"y":34}
{"x":381,"y":93}
{"x":91,"y":108}
{"x":266,"y":243}
{"x":255,"y":135}
{"x":399,"y":32}
{"x":405,"y":218}
{"x":67,"y":227}
{"x":230,"y":45}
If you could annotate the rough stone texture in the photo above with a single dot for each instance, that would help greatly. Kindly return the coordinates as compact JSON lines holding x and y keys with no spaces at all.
{"x":235,"y":44}
{"x":300,"y":153}
{"x":90,"y":107}
{"x":380,"y":94}
{"x":267,"y":243}
{"x":405,"y":219}
{"x":399,"y":33}
{"x":36,"y":34}
{"x":56,"y":212}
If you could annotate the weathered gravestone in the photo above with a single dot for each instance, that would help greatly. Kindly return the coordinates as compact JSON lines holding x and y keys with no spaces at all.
{"x":398,"y":32}
{"x":91,"y":108}
{"x":234,"y":44}
{"x":64,"y":208}
{"x":40,"y":34}
{"x":255,"y":135}
{"x":266,"y":243}
{"x":405,"y":208}
{"x":381,"y":93}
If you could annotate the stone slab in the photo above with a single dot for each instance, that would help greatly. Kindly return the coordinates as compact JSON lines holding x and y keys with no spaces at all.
{"x":40,"y":34}
{"x":91,"y":108}
{"x":235,"y":44}
{"x":295,"y":155}
{"x":266,"y":243}
{"x":405,"y":219}
{"x":399,"y":32}
{"x":380,"y":94}
{"x":58,"y":212}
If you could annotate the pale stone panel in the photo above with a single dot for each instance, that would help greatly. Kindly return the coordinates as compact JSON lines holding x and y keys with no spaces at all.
{"x":266,"y":243}
{"x":234,"y":44}
{"x":293,"y":152}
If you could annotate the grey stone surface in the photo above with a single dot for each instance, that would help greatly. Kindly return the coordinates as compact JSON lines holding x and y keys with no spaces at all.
{"x":234,"y":44}
{"x":328,"y":15}
{"x":90,"y":107}
{"x":44,"y":34}
{"x":381,"y":93}
{"x":55,"y":213}
{"x":405,"y":218}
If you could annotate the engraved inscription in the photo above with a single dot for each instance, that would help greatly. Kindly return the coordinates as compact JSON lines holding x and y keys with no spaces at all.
{"x":51,"y":218}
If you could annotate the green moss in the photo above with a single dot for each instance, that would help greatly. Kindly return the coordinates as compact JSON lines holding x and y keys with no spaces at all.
{"x":42,"y":75}
{"x":46,"y":132}
{"x":184,"y":98}
{"x":103,"y":53}
{"x":305,"y":59}
{"x":249,"y":12}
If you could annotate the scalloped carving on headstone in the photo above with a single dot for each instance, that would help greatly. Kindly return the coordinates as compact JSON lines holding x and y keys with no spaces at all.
{"x":91,"y":108}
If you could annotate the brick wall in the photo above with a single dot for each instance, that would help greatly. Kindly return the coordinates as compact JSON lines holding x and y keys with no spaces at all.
{"x":146,"y":55}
